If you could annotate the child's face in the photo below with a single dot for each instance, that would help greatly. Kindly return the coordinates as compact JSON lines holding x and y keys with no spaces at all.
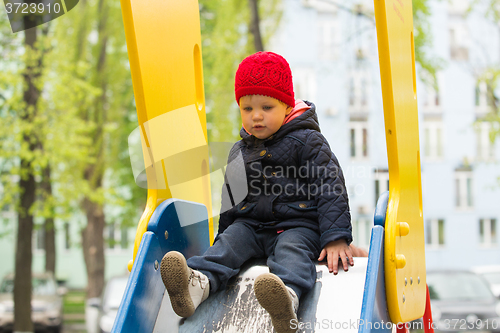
{"x":262,"y":116}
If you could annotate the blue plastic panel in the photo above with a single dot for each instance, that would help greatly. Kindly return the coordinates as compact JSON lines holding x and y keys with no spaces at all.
{"x":374,"y":315}
{"x":175,"y":225}
{"x":381,"y":209}
{"x":181,"y":226}
{"x":144,"y":292}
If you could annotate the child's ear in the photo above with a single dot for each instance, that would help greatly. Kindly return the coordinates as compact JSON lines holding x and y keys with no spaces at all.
{"x":288,"y":110}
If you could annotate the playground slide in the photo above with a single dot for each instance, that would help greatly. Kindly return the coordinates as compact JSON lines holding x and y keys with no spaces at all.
{"x":350,"y":302}
{"x":168,"y":88}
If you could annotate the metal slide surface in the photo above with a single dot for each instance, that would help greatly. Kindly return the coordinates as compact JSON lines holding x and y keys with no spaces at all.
{"x":333,"y":305}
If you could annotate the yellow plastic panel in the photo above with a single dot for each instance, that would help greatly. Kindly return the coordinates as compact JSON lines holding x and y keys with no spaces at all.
{"x":404,"y":229}
{"x":164,"y":47}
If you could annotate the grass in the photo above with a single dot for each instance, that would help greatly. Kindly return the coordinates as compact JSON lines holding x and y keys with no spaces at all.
{"x":74,"y":307}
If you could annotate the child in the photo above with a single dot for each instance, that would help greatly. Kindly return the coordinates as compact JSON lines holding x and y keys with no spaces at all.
{"x":296,"y":210}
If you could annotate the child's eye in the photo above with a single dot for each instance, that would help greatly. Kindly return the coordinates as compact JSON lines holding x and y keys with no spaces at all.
{"x":267,"y":107}
{"x":248,"y":109}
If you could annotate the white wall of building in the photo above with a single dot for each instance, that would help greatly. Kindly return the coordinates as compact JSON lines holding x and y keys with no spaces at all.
{"x":448,"y":138}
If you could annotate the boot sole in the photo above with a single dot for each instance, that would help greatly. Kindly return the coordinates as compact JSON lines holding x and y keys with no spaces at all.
{"x":175,"y":276}
{"x":274,"y":297}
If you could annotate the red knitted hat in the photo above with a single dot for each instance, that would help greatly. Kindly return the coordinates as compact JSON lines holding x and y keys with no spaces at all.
{"x":265,"y":73}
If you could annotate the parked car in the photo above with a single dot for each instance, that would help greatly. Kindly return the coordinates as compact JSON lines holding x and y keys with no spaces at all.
{"x":46,"y":303}
{"x":110,"y":302}
{"x":492,"y":274}
{"x":462,"y":301}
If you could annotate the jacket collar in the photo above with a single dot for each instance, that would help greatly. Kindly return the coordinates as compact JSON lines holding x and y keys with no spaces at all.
{"x":307,"y":120}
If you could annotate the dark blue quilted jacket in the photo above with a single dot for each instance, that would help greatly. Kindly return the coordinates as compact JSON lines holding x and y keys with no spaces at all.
{"x":291,"y":179}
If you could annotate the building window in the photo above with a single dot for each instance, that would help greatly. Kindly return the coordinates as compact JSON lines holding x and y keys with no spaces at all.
{"x":431,"y":101}
{"x":67,"y":236}
{"x":459,"y":49}
{"x":39,"y":235}
{"x":358,"y":134}
{"x":362,"y":230}
{"x":328,"y":37}
{"x":463,"y":189}
{"x":116,"y":237}
{"x":304,"y":83}
{"x":433,"y":140}
{"x":485,"y":146}
{"x":321,"y":6}
{"x":458,"y":7}
{"x":435,"y":232}
{"x":111,"y":236}
{"x":381,"y":182}
{"x":358,"y":91}
{"x":483,"y":98}
{"x":4,"y":207}
{"x":124,"y":237}
{"x":488,"y":232}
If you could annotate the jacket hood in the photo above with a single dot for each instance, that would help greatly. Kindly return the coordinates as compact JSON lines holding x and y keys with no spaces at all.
{"x":307,"y":120}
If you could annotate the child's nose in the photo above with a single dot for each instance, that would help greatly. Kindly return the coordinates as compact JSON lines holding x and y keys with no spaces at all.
{"x":257,"y":115}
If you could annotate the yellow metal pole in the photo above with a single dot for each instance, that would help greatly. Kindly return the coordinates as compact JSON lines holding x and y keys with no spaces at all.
{"x":404,"y":229}
{"x":164,"y":47}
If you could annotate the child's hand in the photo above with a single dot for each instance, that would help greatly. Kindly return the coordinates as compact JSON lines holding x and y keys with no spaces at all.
{"x":332,"y":251}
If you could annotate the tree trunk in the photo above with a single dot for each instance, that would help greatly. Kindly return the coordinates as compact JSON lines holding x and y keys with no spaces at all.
{"x":49,"y":227}
{"x":92,"y":235}
{"x":50,"y":246}
{"x":24,"y":256}
{"x":93,"y":247}
{"x":255,"y":25}
{"x":22,"y":279}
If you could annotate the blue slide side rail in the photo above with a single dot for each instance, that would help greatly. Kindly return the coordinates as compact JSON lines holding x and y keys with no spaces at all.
{"x":176,"y":225}
{"x":374,"y":315}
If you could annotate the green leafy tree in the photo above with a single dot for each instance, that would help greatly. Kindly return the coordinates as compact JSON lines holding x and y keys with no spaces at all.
{"x":489,"y":72}
{"x":422,"y":37}
{"x":230,"y":30}
{"x":36,"y":134}
{"x":20,"y":109}
{"x":84,"y":116}
{"x":228,"y":35}
{"x":93,"y":59}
